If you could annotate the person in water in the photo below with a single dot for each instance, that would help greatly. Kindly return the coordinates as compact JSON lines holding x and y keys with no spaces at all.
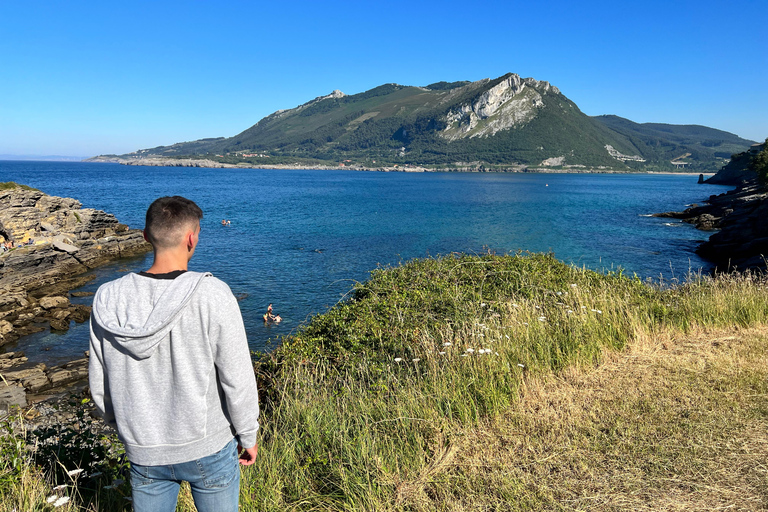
{"x":269,"y":317}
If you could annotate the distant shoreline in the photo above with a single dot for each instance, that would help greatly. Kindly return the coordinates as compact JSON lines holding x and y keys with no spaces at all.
{"x":520,"y":169}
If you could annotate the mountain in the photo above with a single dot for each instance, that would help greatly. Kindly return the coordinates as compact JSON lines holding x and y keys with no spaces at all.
{"x":508,"y":122}
{"x":660,"y":143}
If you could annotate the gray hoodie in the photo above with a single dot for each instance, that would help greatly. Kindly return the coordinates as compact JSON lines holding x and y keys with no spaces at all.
{"x":170,"y":367}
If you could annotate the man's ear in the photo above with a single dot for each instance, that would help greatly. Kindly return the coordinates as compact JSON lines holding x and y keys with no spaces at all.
{"x":144,"y":234}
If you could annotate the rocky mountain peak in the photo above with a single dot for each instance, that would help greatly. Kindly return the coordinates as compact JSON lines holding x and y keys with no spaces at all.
{"x":512,"y":102}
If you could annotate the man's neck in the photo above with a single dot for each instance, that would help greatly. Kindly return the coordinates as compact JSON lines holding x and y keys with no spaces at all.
{"x":168,"y":262}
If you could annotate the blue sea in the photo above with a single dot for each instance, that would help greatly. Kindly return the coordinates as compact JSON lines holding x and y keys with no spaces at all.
{"x":300,"y":239}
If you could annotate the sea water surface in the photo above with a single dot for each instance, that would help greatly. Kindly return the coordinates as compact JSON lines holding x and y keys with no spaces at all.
{"x":300,"y":239}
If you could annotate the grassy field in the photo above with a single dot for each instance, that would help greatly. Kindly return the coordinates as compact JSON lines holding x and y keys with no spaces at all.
{"x":502,"y":383}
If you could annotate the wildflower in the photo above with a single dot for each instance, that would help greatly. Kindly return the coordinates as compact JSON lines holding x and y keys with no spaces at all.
{"x":559,"y":293}
{"x":481,"y":335}
{"x":573,"y":285}
{"x":537,"y":307}
{"x":398,"y":359}
{"x":59,"y":487}
{"x":470,"y":350}
{"x":525,"y":323}
{"x":447,"y":344}
{"x":521,"y":365}
{"x":515,"y":305}
{"x":507,"y":336}
{"x":75,"y":472}
{"x":559,"y":303}
{"x":416,"y":360}
{"x":463,"y":355}
{"x":542,"y":319}
{"x":570,"y":311}
{"x":51,"y":499}
{"x":61,"y":501}
{"x":496,"y":353}
{"x":583,"y":307}
{"x":597,"y":311}
{"x":441,"y":353}
{"x":482,"y":304}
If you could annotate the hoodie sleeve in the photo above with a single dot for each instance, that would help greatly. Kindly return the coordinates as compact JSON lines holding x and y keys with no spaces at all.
{"x":234,"y":368}
{"x":96,"y":377}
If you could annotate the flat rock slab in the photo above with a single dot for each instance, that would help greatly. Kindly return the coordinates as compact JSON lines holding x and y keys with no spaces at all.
{"x":62,"y":246}
{"x":12,"y":395}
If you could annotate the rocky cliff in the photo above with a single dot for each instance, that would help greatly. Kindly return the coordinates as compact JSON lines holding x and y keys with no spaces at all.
{"x":739,"y":215}
{"x":55,"y":240}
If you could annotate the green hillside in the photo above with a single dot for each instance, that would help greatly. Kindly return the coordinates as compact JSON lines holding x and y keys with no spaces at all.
{"x":661,"y":143}
{"x":499,"y":123}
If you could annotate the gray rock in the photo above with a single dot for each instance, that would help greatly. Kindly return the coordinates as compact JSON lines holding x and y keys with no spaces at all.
{"x":54,"y":302}
{"x":12,"y":395}
{"x":64,"y":246}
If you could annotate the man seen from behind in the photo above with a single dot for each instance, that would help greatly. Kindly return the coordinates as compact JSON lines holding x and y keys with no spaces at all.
{"x":170,"y":369}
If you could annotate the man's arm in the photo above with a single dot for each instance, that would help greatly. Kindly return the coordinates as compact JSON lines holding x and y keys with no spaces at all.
{"x":234,"y":369}
{"x":97,"y":379}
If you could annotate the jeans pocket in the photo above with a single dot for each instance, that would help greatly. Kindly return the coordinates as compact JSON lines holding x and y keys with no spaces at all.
{"x":140,"y":476}
{"x":221,"y":469}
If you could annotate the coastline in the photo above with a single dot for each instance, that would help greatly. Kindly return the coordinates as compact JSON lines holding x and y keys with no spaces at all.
{"x":211,"y":164}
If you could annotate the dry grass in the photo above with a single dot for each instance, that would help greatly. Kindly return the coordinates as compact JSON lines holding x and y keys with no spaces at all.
{"x":670,"y":423}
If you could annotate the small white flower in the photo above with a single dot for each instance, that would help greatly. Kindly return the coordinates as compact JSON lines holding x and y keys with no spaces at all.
{"x":416,"y":360}
{"x":482,"y":304}
{"x":583,"y":307}
{"x":470,"y":350}
{"x":60,"y":487}
{"x":441,"y":353}
{"x":51,"y":499}
{"x":515,"y":305}
{"x":507,"y":336}
{"x":559,"y":293}
{"x":463,"y":355}
{"x":521,"y":365}
{"x":61,"y":501}
{"x":447,"y":344}
{"x":559,"y":303}
{"x":481,"y":335}
{"x":398,"y":359}
{"x":570,"y":311}
{"x":525,"y":323}
{"x":573,"y":285}
{"x":496,"y":353}
{"x":537,"y":307}
{"x":542,"y":318}
{"x":75,"y":472}
{"x":597,"y":311}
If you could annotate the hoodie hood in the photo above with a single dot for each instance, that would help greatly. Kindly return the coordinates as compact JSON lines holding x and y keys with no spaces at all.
{"x":139,"y":311}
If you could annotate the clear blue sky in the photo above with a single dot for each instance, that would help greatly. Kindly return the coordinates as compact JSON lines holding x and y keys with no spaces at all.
{"x":85,"y":78}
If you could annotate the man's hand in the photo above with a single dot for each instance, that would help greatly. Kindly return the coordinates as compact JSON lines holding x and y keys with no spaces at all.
{"x":247,"y":455}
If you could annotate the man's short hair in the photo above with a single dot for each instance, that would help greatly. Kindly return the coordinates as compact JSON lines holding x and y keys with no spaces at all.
{"x":167,"y":217}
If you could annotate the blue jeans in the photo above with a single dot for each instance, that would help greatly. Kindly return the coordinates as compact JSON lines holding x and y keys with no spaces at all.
{"x":215,"y":483}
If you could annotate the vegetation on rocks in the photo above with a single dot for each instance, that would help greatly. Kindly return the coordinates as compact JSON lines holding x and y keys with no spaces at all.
{"x":509,"y":382}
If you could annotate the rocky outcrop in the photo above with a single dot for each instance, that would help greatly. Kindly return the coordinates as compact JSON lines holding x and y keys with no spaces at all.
{"x":740,"y":216}
{"x":512,"y":102}
{"x":735,"y":173}
{"x":55,"y":238}
{"x":56,"y":241}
